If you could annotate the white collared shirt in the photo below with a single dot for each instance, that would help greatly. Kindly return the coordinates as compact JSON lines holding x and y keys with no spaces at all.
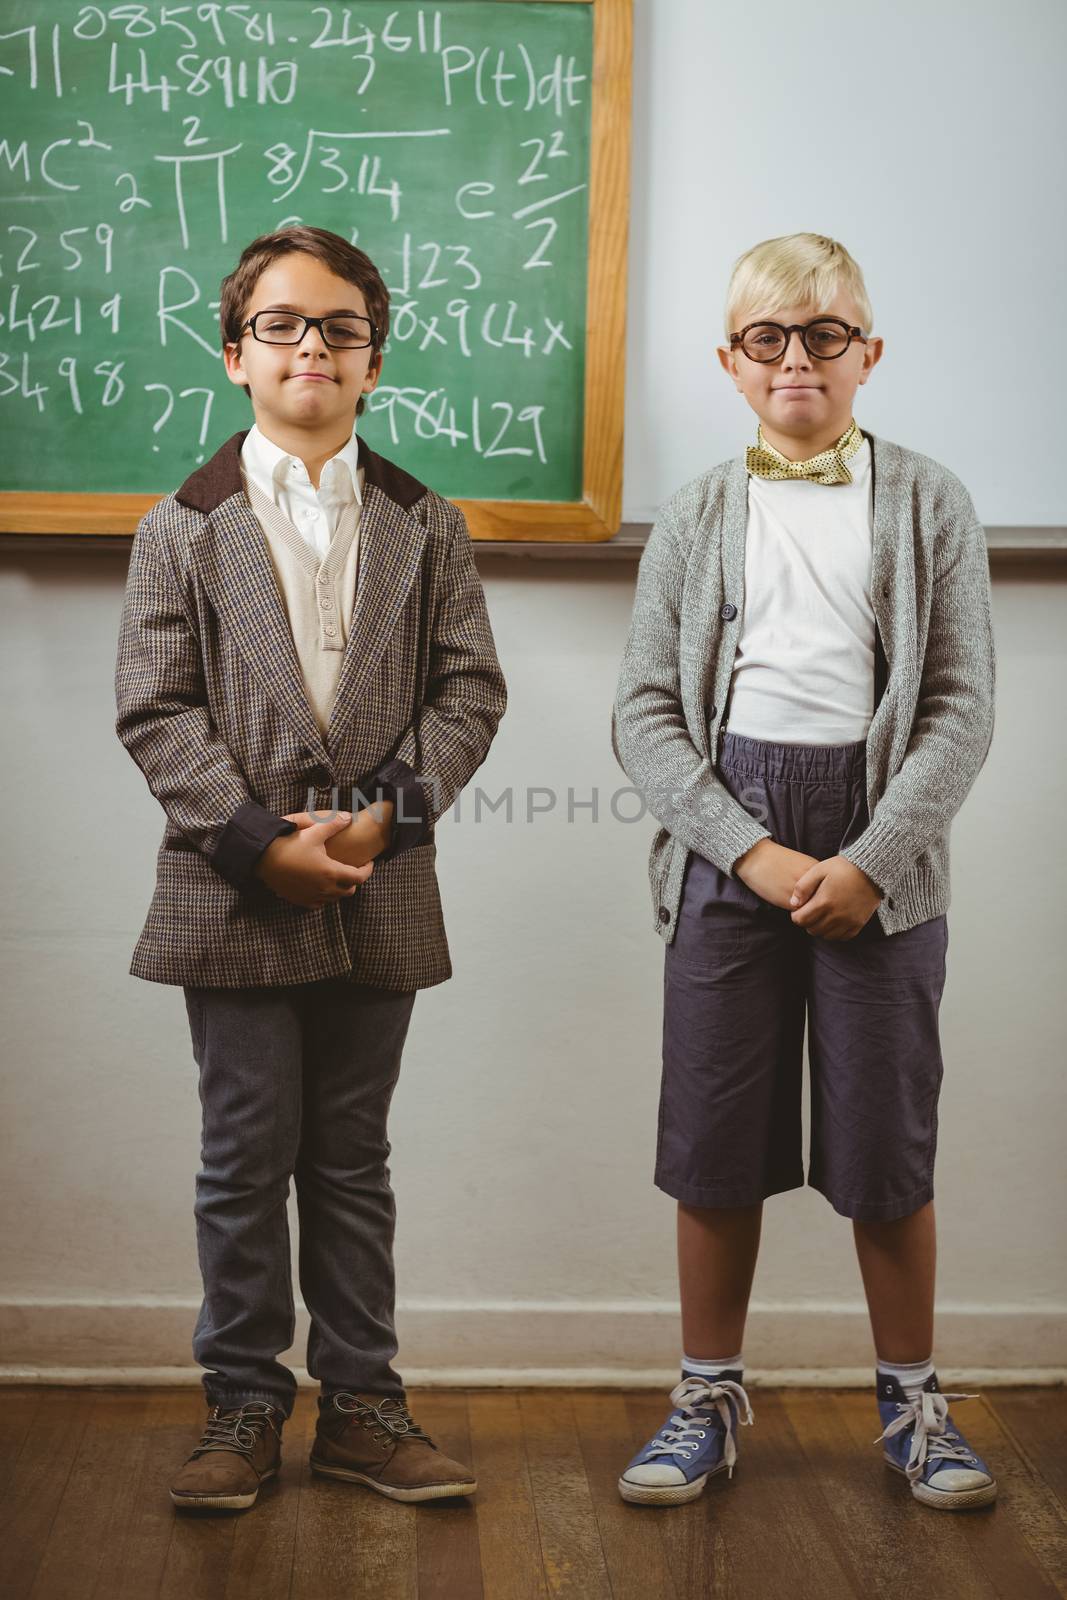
{"x":284,"y":479}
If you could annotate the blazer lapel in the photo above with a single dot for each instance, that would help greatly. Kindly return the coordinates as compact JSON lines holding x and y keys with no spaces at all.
{"x":391,"y":545}
{"x":236,"y":571}
{"x":232,"y":557}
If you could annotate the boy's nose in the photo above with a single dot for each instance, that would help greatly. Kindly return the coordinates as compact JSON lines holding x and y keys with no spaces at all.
{"x":795,"y":353}
{"x":315,"y":335}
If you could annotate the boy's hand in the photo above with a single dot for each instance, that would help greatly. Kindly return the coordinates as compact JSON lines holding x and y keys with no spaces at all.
{"x":298,"y":867}
{"x":366,"y":835}
{"x":772,"y":870}
{"x":835,"y":899}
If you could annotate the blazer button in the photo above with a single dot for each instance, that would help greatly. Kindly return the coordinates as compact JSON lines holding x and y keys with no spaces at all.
{"x":664,"y":914}
{"x":320,"y":777}
{"x":728,"y":612}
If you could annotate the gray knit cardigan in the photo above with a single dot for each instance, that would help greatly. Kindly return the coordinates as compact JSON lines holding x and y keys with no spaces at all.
{"x":934,"y":681}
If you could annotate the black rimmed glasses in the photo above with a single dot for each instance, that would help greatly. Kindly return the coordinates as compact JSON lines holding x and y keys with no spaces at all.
{"x":825,"y":338}
{"x":350,"y":332}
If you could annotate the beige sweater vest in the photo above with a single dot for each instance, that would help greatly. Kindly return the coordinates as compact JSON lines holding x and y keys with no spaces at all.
{"x":319,"y":595}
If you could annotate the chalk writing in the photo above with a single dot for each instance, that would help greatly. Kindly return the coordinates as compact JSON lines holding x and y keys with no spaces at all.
{"x":141,"y":146}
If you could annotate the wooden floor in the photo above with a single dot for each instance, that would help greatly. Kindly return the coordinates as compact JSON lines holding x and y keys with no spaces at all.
{"x":812,"y":1510}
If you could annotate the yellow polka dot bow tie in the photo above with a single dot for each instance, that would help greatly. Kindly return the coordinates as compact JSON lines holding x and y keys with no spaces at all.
{"x":764,"y":461}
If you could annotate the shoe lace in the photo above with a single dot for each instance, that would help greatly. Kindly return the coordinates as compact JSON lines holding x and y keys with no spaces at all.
{"x":390,"y":1414}
{"x":682,"y":1432}
{"x":237,"y":1429}
{"x":933,"y":1439}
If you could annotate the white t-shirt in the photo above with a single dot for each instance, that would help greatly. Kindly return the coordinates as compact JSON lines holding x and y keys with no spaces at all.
{"x":804,"y":669}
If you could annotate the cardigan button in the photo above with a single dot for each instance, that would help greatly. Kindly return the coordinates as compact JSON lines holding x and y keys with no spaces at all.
{"x":713,"y":712}
{"x":664,"y":914}
{"x":728,"y":612}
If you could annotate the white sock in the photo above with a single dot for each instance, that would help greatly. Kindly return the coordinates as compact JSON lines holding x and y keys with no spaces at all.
{"x":911,"y":1377}
{"x":712,"y":1369}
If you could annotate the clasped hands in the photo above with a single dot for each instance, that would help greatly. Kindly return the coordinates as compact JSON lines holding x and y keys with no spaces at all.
{"x":833,"y":898}
{"x":326,"y":861}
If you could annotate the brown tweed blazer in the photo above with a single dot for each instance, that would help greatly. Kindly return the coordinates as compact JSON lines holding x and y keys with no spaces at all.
{"x":211,"y":706}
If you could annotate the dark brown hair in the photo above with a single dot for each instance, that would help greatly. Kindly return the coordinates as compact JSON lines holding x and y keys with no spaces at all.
{"x":342,"y":258}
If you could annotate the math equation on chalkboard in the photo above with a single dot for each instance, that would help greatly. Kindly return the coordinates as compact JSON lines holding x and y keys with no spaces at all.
{"x":143,"y":146}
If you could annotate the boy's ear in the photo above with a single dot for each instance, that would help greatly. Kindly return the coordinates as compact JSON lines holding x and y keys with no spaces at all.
{"x":872,"y":354}
{"x":374,"y":372}
{"x":231,"y":360}
{"x":728,"y":362}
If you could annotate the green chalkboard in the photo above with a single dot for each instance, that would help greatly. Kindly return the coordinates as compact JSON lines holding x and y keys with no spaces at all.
{"x":142,"y":146}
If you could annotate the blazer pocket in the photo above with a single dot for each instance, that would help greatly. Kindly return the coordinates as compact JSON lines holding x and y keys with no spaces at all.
{"x":400,"y":902}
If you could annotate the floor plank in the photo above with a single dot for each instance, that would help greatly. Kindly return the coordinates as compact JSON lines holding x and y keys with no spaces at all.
{"x":1028,"y":1470}
{"x":20,"y":1407}
{"x":447,"y":1530}
{"x":37,"y":1483}
{"x":574,"y":1561}
{"x":1036,"y":1419}
{"x":508,"y":1535}
{"x":689,"y":1536}
{"x":94,"y":1514}
{"x":637,"y":1565}
{"x":261,"y":1561}
{"x":350,"y":1540}
{"x":174,"y":1419}
{"x":810,"y":1559}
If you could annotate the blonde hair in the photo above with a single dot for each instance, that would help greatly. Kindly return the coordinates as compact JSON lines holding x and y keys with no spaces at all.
{"x":805,"y":269}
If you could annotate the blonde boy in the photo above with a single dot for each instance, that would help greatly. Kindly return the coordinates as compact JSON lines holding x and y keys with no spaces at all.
{"x":805,"y":700}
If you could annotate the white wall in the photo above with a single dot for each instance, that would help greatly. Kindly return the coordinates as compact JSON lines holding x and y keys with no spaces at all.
{"x":933,"y":149}
{"x":529,"y":1088}
{"x":528,"y":1094}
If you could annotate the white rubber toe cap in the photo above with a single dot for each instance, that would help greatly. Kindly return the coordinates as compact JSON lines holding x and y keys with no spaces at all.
{"x":957,"y":1480}
{"x":654,"y":1475}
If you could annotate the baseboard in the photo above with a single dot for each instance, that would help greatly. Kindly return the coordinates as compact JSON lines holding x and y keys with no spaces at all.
{"x":567,"y":1343}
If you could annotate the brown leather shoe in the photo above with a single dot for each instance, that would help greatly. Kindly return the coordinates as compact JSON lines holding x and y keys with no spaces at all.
{"x":240,"y":1448}
{"x":372,"y":1439}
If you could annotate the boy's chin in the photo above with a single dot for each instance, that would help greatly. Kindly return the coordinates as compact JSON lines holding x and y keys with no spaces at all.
{"x":310,"y":401}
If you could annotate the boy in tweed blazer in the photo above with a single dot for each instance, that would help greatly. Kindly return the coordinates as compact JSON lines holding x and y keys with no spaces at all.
{"x":303,"y":628}
{"x":805,"y":701}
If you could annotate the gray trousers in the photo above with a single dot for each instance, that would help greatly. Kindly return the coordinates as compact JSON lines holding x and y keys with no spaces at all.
{"x":296,"y":1081}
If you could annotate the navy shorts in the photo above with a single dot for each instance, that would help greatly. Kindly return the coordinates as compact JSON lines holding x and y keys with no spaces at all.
{"x":741,"y":979}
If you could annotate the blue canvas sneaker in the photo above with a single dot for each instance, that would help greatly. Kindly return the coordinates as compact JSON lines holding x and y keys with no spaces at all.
{"x":696,"y":1441}
{"x":923,"y":1443}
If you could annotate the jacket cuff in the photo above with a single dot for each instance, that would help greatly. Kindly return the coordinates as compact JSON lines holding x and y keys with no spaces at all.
{"x":243,"y":840}
{"x":398,"y":782}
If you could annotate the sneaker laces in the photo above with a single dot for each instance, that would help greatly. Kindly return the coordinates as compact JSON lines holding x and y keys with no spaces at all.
{"x":683,"y":1432}
{"x":237,"y":1429}
{"x":932,"y":1440}
{"x":390,"y":1413}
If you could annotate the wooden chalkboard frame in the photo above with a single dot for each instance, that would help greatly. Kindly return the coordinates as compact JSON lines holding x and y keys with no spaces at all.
{"x":596,"y":516}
